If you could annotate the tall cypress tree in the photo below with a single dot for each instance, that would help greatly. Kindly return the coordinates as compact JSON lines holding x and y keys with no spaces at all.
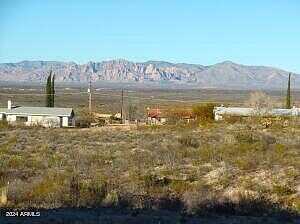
{"x":288,"y":95}
{"x":48,"y":90}
{"x":52,"y":90}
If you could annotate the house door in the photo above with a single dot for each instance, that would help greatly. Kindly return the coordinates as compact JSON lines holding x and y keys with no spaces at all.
{"x":60,"y":121}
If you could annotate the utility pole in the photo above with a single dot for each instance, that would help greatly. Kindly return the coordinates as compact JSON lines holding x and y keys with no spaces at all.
{"x":122,"y":107}
{"x":90,"y":95}
{"x":288,"y":95}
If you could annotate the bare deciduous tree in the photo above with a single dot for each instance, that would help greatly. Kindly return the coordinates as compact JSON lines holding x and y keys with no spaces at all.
{"x":261,"y":102}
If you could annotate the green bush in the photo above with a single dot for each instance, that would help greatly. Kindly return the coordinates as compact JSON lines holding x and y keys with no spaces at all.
{"x":84,"y":119}
{"x":232,"y":119}
{"x":245,"y":137}
{"x":48,"y":190}
{"x":283,"y":190}
{"x":204,"y":112}
{"x":93,"y":192}
{"x":152,"y":180}
{"x":3,"y":125}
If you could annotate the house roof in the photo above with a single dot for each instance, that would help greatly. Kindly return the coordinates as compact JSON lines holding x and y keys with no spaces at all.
{"x":46,"y":111}
{"x":240,"y":111}
{"x":155,"y":113}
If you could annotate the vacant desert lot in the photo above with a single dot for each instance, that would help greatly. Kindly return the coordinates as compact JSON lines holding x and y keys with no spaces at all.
{"x":229,"y":168}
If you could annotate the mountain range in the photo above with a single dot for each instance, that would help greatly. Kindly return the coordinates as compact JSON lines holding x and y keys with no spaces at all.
{"x":226,"y":74}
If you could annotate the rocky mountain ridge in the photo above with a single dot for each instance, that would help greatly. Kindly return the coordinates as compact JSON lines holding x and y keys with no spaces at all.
{"x":225,"y":74}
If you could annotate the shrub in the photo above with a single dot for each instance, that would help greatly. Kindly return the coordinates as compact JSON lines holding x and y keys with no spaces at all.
{"x":261,"y":102}
{"x":193,"y":199}
{"x":74,"y":191}
{"x":283,"y":190}
{"x":297,"y":205}
{"x":3,"y":124}
{"x":83,"y":123}
{"x":208,"y":154}
{"x":204,"y":112}
{"x":232,"y":119}
{"x":84,"y":119}
{"x":101,"y":122}
{"x":15,"y":161}
{"x":152,"y":180}
{"x":93,"y":192}
{"x":47,"y":190}
{"x":112,"y":199}
{"x":245,"y":137}
{"x":180,"y":186}
{"x":245,"y":164}
{"x":188,"y":141}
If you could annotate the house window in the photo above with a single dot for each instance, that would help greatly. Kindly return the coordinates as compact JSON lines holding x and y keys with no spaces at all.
{"x":22,"y":118}
{"x":2,"y":117}
{"x":70,"y":121}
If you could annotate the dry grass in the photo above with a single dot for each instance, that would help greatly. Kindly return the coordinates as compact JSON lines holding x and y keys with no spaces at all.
{"x":224,"y":168}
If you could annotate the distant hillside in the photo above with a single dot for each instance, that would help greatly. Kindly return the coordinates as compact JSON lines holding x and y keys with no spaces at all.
{"x":225,"y":74}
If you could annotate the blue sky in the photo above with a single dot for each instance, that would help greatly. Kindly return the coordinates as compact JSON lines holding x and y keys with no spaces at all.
{"x":256,"y":32}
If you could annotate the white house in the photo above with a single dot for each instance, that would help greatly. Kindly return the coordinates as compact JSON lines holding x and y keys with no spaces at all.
{"x":220,"y":112}
{"x":44,"y":116}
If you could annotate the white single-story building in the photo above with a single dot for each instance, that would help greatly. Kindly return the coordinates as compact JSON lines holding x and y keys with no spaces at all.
{"x":220,"y":112}
{"x":44,"y":116}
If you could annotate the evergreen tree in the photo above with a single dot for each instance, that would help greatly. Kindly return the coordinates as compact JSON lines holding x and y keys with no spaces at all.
{"x":52,"y":91}
{"x":288,"y":95}
{"x":48,"y":90}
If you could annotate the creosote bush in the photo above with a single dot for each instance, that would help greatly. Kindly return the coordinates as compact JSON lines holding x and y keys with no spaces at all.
{"x":84,"y":119}
{"x":3,"y":124}
{"x":188,"y":141}
{"x":204,"y":112}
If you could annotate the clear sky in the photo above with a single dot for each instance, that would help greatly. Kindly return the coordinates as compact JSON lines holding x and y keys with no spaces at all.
{"x":254,"y":32}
